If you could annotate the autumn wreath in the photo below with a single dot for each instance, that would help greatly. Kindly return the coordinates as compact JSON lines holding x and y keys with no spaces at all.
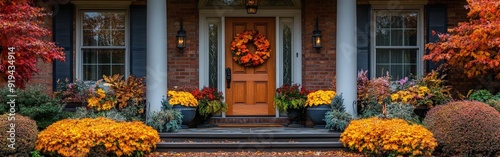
{"x":242,"y":55}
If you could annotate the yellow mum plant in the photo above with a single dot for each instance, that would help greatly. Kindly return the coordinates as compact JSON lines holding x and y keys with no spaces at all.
{"x":182,"y":98}
{"x":388,"y":137}
{"x":101,"y":101}
{"x":76,"y":137}
{"x":320,"y":97}
{"x":415,"y":95}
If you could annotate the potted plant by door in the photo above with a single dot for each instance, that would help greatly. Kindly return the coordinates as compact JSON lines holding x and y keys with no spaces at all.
{"x":209,"y":103}
{"x":291,"y":99}
{"x":185,"y":103}
{"x":318,"y":103}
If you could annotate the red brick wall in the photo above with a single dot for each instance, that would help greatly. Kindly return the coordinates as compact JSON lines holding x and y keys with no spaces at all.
{"x":182,"y":66}
{"x":318,"y":67}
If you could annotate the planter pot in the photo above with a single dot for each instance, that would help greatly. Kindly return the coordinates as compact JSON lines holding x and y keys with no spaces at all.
{"x":294,"y":115}
{"x":317,"y":115}
{"x":188,"y":114}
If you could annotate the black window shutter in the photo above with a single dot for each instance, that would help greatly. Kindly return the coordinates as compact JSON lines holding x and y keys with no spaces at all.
{"x":363,"y":34}
{"x":138,"y":40}
{"x":436,"y":19}
{"x":63,"y":36}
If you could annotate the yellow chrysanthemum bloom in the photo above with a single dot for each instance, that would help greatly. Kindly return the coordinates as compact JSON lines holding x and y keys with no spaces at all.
{"x":182,"y":98}
{"x":101,"y":93}
{"x":320,"y":97}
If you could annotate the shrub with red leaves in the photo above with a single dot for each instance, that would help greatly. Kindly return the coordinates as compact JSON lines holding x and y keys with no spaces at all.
{"x":465,"y":128}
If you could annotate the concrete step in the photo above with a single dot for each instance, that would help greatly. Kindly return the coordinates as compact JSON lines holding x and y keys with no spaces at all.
{"x":246,"y":146}
{"x":250,"y":139}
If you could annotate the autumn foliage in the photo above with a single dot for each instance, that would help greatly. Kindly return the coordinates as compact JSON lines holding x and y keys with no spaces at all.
{"x":22,"y":28}
{"x":473,"y":46}
{"x":388,"y":137}
{"x":77,"y":137}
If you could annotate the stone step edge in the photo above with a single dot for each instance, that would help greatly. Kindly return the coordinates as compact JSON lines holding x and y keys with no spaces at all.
{"x":198,"y":145}
{"x":248,"y":135}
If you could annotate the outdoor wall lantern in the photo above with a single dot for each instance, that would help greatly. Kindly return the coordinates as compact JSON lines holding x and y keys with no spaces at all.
{"x":316,"y":38}
{"x":251,"y":6}
{"x":181,"y":38}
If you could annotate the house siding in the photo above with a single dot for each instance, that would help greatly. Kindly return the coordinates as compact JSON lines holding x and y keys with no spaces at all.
{"x":318,"y":66}
{"x":183,"y":66}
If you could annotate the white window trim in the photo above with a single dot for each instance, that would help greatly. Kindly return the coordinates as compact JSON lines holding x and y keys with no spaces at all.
{"x":420,"y":34}
{"x":105,"y":5}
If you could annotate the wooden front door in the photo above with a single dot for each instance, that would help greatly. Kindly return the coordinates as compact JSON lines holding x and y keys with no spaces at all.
{"x":251,"y":89}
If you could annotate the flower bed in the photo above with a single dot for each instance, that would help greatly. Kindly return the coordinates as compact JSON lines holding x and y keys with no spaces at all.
{"x":73,"y":137}
{"x":388,"y":137}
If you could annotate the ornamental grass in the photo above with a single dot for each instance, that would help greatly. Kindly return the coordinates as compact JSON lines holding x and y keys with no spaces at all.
{"x":320,"y":97}
{"x":181,"y":98}
{"x":76,"y":137}
{"x":388,"y":137}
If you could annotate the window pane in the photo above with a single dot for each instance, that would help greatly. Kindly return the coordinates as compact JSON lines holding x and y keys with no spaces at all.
{"x":213,"y":50}
{"x":104,"y":28}
{"x":118,"y":38}
{"x":397,"y":72}
{"x":410,"y":70}
{"x":410,"y":56}
{"x":410,"y":19}
{"x":396,"y":38}
{"x":383,"y":19}
{"x":89,"y":38}
{"x":381,"y":70}
{"x":104,"y":56}
{"x":118,"y":56}
{"x":383,"y":37}
{"x":399,"y":62}
{"x":410,"y":38}
{"x":104,"y":38}
{"x":89,"y":56}
{"x":396,"y":21}
{"x":118,"y":69}
{"x":89,"y":72}
{"x":104,"y":70}
{"x":383,"y":56}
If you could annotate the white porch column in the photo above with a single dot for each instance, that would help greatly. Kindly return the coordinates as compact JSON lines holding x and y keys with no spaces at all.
{"x":156,"y":77}
{"x":346,"y":53}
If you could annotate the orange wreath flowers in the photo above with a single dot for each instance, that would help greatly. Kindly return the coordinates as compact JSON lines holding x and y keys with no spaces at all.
{"x":242,"y":55}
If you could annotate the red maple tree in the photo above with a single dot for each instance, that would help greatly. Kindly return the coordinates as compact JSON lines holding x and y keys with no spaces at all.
{"x":472,"y":46}
{"x":23,"y":35}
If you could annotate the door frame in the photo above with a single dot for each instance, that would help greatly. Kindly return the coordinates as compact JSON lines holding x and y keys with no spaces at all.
{"x":221,"y":14}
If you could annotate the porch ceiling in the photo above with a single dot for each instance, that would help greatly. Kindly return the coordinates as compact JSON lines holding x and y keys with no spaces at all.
{"x":237,"y":4}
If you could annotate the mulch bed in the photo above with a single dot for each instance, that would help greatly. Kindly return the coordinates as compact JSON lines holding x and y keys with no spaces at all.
{"x":258,"y":154}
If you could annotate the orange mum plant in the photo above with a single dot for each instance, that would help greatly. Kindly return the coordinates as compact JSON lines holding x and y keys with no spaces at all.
{"x":73,"y":137}
{"x":388,"y":137}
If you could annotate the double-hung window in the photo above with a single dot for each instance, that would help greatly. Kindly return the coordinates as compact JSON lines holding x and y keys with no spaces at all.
{"x":103,"y":45}
{"x":397,"y":43}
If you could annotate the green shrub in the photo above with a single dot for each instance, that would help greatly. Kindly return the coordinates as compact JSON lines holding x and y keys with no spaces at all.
{"x":495,"y":104}
{"x":465,"y":128}
{"x":24,"y":135}
{"x":401,"y":111}
{"x":483,"y":95}
{"x":32,"y":102}
{"x":337,"y":119}
{"x":370,"y":109}
{"x":165,"y":120}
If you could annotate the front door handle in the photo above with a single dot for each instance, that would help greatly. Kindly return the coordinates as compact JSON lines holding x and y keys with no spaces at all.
{"x":228,"y":77}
